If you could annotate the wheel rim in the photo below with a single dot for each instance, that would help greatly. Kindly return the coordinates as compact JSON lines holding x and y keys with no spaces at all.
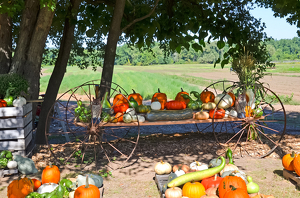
{"x":90,"y":141}
{"x":252,"y":135}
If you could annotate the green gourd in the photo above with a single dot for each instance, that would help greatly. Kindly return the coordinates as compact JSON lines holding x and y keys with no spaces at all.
{"x":198,"y":175}
{"x":133,"y":103}
{"x":214,"y":162}
{"x":105,"y":103}
{"x":251,"y":186}
{"x":229,"y":155}
{"x":170,"y":178}
{"x":169,"y":115}
{"x":192,"y":104}
{"x":143,"y":108}
{"x":197,"y":95}
{"x":25,"y":165}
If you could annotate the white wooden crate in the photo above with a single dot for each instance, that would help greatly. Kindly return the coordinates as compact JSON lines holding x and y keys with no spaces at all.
{"x":16,"y":128}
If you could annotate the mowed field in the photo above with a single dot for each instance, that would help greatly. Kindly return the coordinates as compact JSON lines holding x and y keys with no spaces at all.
{"x":284,"y":80}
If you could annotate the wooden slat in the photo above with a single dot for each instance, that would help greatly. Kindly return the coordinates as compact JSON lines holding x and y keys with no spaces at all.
{"x":15,"y":111}
{"x":16,"y":133}
{"x":291,"y":176}
{"x":18,"y":144}
{"x":17,"y":122}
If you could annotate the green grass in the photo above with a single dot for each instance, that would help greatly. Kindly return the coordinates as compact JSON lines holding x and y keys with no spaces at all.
{"x":285,"y":68}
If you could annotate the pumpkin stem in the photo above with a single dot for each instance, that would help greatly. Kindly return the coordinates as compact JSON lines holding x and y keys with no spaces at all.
{"x":216,"y":175}
{"x":50,"y":164}
{"x":192,"y":181}
{"x":161,"y":161}
{"x":133,"y":91}
{"x":293,"y":154}
{"x":181,"y":89}
{"x":232,"y":187}
{"x":173,"y":186}
{"x":158,"y":91}
{"x":87,"y":182}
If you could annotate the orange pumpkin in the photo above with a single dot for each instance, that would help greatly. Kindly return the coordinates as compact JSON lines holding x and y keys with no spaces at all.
{"x":175,"y":105}
{"x":213,"y":181}
{"x":138,"y":98}
{"x":87,"y":191}
{"x":119,"y":99}
{"x":50,"y":174}
{"x":219,"y":114}
{"x":119,"y":116}
{"x":207,"y":96}
{"x":296,"y":164}
{"x":228,"y":181}
{"x":233,"y":98}
{"x":287,"y":161}
{"x":20,"y":188}
{"x":193,"y":189}
{"x":161,"y":97}
{"x":36,"y":184}
{"x":236,"y":193}
{"x":3,"y":103}
{"x":180,"y":98}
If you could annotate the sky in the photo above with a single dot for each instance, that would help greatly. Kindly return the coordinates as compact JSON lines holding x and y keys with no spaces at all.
{"x":276,"y":27}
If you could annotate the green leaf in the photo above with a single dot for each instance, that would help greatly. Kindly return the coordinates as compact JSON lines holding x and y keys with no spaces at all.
{"x":224,"y":62}
{"x":220,"y":44}
{"x":90,"y":33}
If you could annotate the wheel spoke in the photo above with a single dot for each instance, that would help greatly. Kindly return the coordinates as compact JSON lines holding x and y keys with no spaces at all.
{"x":268,"y":128}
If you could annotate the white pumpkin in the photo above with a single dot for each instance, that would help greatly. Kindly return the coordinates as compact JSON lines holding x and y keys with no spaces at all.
{"x":127,"y":118}
{"x":179,"y":172}
{"x":226,"y":114}
{"x":12,"y":164}
{"x":141,"y":118}
{"x":19,"y":101}
{"x":233,"y":113}
{"x":155,"y":105}
{"x":225,"y":102}
{"x":161,"y":168}
{"x":209,"y":105}
{"x":48,"y":187}
{"x":134,"y":118}
{"x":198,"y":166}
{"x":229,"y":167}
{"x":130,"y":111}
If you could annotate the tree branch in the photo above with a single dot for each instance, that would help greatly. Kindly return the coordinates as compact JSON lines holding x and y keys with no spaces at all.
{"x":140,"y":19}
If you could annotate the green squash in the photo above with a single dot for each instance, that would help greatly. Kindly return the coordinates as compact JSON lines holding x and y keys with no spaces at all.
{"x":169,"y":115}
{"x":171,"y":177}
{"x":214,"y":162}
{"x":25,"y":165}
{"x":133,"y":103}
{"x":143,"y":108}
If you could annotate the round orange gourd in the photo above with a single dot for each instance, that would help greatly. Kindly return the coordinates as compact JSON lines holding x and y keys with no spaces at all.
{"x":119,"y":116}
{"x":87,"y":191}
{"x":233,"y":97}
{"x":138,"y":98}
{"x":161,"y":97}
{"x":296,"y":164}
{"x":36,"y":184}
{"x":228,"y":181}
{"x":50,"y":174}
{"x":20,"y":188}
{"x":119,"y":99}
{"x":287,"y":161}
{"x":236,"y":193}
{"x":180,"y":98}
{"x":193,"y":189}
{"x":207,"y":96}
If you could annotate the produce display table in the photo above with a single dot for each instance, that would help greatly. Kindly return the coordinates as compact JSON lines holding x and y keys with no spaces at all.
{"x":160,"y":180}
{"x":16,"y":129}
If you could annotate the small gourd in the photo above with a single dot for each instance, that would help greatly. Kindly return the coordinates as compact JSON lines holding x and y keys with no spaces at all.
{"x":127,"y":118}
{"x":130,"y":111}
{"x":209,"y":105}
{"x":156,"y":105}
{"x":12,"y":164}
{"x":233,"y":113}
{"x":47,"y":187}
{"x":173,"y":192}
{"x":19,"y":101}
{"x":202,"y":115}
{"x":179,"y":172}
{"x":229,"y":167}
{"x":141,"y":118}
{"x":251,"y":186}
{"x":161,"y":168}
{"x":214,"y":162}
{"x":198,"y":166}
{"x":25,"y":165}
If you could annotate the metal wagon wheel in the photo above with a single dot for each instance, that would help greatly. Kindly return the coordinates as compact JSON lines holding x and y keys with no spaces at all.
{"x":82,"y":138}
{"x":216,"y":88}
{"x":257,"y":126}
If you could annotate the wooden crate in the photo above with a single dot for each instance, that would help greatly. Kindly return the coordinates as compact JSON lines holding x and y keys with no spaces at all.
{"x":292,"y":177}
{"x":16,"y":128}
{"x":160,"y":180}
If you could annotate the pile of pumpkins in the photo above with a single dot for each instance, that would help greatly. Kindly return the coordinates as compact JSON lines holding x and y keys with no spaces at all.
{"x":291,"y":162}
{"x":50,"y":186}
{"x":183,"y":106}
{"x":214,"y":180}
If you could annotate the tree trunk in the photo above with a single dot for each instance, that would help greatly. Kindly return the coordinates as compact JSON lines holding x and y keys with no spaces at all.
{"x":28,"y":21}
{"x":58,"y":72}
{"x":110,"y":50}
{"x":5,"y":43}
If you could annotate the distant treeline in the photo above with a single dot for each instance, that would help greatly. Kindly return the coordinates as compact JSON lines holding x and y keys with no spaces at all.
{"x":279,"y":50}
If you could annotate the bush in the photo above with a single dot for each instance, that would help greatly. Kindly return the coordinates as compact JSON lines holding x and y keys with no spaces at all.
{"x":12,"y":80}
